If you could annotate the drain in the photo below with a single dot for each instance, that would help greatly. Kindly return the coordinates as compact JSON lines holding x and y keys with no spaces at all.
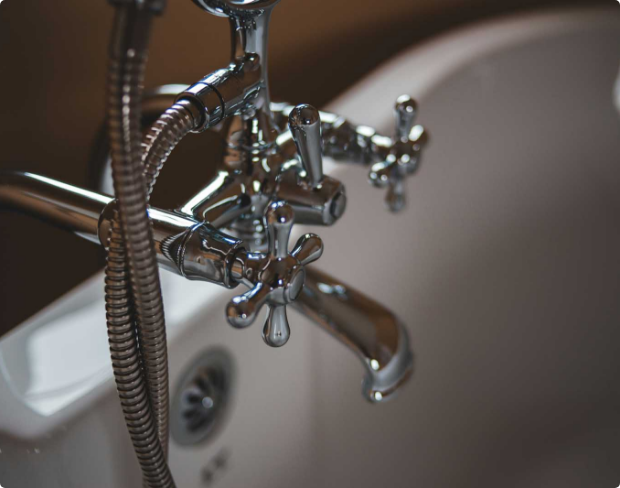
{"x":201,"y":399}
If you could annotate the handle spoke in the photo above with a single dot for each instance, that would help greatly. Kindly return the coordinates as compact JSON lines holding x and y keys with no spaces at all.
{"x":276,"y":331}
{"x":241,"y":310}
{"x":308,"y":249}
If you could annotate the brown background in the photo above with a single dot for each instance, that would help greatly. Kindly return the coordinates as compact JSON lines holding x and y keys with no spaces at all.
{"x":53,"y":59}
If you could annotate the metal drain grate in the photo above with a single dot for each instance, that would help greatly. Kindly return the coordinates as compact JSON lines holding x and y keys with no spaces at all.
{"x":201,"y":399}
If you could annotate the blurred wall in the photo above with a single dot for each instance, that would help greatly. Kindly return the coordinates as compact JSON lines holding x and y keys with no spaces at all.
{"x":53,"y":63}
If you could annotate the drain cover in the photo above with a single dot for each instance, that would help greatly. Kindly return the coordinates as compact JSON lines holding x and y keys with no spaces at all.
{"x":202,"y":396}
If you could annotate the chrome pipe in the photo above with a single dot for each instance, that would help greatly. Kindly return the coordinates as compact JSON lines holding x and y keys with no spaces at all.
{"x":66,"y":206}
{"x":184,"y":246}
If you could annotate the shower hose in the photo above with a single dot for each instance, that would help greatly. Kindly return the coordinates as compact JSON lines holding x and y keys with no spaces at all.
{"x":134,"y":305}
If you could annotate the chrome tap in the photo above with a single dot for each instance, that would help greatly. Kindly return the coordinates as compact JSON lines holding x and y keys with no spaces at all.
{"x":262,"y":162}
{"x":198,"y":251}
{"x":390,"y":159}
{"x":252,"y":177}
{"x":236,"y":229}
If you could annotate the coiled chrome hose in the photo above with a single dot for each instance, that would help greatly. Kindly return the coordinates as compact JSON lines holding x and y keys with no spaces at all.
{"x":128,"y":367}
{"x":162,"y":138}
{"x":164,"y":135}
{"x":134,"y":305}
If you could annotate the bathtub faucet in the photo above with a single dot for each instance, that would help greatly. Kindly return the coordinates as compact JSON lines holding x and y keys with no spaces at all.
{"x":236,"y":229}
{"x":273,"y":159}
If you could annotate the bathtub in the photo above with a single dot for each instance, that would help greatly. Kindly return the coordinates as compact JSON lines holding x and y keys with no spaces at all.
{"x":505,"y":267}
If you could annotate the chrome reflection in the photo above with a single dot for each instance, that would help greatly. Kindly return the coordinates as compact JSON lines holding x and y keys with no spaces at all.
{"x":366,"y":327}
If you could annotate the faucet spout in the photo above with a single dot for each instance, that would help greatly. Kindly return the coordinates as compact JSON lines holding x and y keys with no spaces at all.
{"x":366,"y":327}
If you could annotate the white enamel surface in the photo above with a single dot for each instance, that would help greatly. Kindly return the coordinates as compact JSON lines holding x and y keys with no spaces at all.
{"x":504,"y":266}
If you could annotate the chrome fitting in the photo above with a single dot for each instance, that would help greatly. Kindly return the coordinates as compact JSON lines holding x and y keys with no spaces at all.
{"x":225,"y":92}
{"x":208,"y":255}
{"x":208,"y":102}
{"x":192,"y":249}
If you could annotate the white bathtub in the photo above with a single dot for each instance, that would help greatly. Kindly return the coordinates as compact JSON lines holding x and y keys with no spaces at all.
{"x":505,"y":267}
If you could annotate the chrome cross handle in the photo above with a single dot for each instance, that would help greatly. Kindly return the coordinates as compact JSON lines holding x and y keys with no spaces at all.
{"x":275,"y":278}
{"x":403,"y":155}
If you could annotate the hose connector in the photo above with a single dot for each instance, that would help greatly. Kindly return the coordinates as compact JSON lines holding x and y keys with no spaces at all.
{"x":225,"y":92}
{"x":208,"y":103}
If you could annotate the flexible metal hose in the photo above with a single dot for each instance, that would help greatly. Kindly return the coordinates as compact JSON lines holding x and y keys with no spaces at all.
{"x":163,"y":136}
{"x":133,"y":291}
{"x":128,"y":367}
{"x":168,"y":130}
{"x":161,"y":139}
